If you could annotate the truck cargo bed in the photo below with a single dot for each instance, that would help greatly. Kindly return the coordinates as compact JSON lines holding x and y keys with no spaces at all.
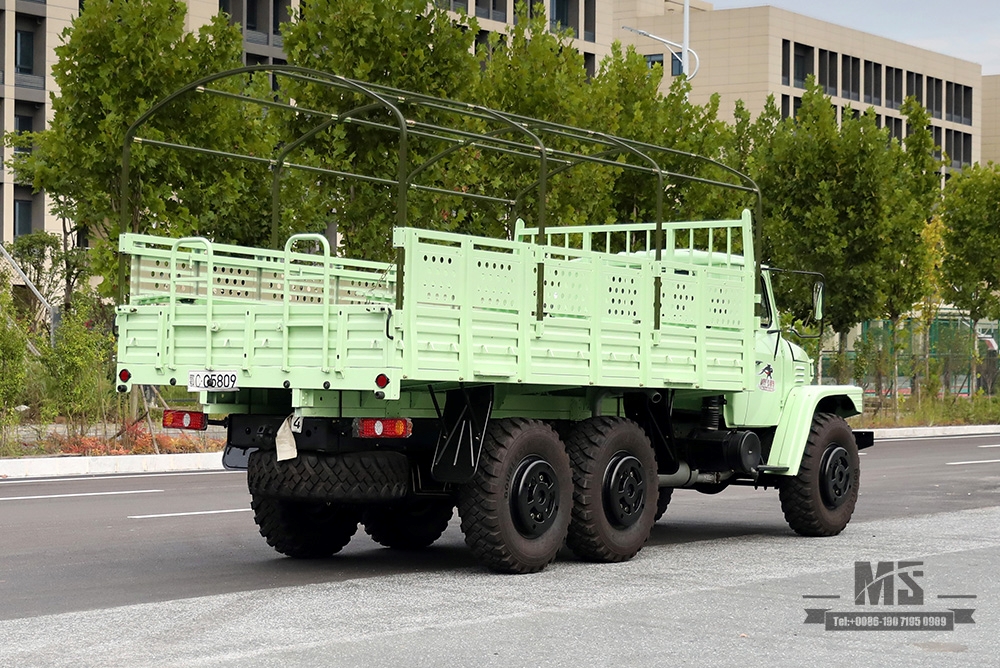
{"x":465,"y":312}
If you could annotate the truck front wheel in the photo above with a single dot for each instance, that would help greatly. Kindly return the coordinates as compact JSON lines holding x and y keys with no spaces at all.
{"x":304,"y":529}
{"x":515,"y":512}
{"x":615,"y":492}
{"x":820,"y":499}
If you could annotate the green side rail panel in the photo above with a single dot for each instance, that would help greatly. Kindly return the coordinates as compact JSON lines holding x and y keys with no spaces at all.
{"x":318,"y":322}
{"x":801,"y":404}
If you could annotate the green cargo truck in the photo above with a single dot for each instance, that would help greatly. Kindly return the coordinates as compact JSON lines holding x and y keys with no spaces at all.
{"x":555,"y":386}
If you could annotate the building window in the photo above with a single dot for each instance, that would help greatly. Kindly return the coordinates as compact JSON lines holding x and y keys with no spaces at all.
{"x":895,"y":126}
{"x":785,"y":104}
{"x":566,"y":14}
{"x":893,"y":87}
{"x":828,"y":71}
{"x":224,"y":6}
{"x":915,"y":86}
{"x":786,"y":62}
{"x":934,"y":97}
{"x":958,"y":146}
{"x":873,"y":83}
{"x":23,"y":123}
{"x":796,"y":105}
{"x":851,"y":82}
{"x":279,"y":15}
{"x":958,"y":103}
{"x":803,"y":63}
{"x":250,"y":20}
{"x":22,"y":217}
{"x":936,"y":131}
{"x":676,"y":65}
{"x":24,"y":52}
{"x":654,"y":59}
{"x":589,"y":17}
{"x":590,"y":64}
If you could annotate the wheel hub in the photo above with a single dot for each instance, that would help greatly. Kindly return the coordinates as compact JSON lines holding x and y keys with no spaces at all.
{"x":836,"y":476}
{"x":624,"y":490}
{"x":535,"y":501}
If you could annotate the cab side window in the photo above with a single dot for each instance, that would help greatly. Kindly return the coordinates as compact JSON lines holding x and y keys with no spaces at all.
{"x":763,"y":309}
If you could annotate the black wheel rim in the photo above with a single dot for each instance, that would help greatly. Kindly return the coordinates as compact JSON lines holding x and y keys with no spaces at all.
{"x":535,"y":501}
{"x":624,"y":490}
{"x":836,"y":476}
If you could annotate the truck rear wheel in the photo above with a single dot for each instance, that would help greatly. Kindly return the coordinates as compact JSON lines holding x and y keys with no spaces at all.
{"x":304,"y":529}
{"x":662,"y":501}
{"x":615,"y":492}
{"x":516,"y":510}
{"x":820,"y":500}
{"x":408,"y":525}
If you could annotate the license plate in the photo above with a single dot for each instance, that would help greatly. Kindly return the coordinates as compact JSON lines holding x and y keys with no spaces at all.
{"x":212,"y":381}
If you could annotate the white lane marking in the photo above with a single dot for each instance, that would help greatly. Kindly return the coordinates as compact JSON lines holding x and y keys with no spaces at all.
{"x":66,"y":496}
{"x":83,"y":478}
{"x":988,"y":446}
{"x":981,"y":461}
{"x":197,"y":512}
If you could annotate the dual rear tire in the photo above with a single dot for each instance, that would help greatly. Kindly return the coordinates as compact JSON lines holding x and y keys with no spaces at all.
{"x":532,"y":493}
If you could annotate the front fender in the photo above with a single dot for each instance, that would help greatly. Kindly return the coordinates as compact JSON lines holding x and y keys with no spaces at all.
{"x":797,"y":416}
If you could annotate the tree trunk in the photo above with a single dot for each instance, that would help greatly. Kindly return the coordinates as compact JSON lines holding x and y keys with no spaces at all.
{"x":843,"y":376}
{"x":972,"y":359}
{"x":893,"y":324}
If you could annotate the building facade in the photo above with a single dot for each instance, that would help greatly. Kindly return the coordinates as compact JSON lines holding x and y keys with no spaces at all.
{"x":749,"y":54}
{"x":745,"y":54}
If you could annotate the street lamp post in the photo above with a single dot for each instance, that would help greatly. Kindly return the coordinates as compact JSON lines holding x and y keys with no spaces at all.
{"x":685,"y":48}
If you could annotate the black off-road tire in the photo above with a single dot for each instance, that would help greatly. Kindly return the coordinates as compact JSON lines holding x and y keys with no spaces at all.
{"x":357,"y":476}
{"x":820,"y":499}
{"x":516,"y":510}
{"x":408,"y":525}
{"x":615,"y":489}
{"x":662,"y":501}
{"x":304,"y":529}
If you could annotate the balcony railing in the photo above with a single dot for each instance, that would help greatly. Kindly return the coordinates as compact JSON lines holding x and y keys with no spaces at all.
{"x":29,"y":81}
{"x":255,"y":37}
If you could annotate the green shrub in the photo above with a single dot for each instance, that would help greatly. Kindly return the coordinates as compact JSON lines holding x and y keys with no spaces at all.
{"x":78,"y":370}
{"x":13,"y":368}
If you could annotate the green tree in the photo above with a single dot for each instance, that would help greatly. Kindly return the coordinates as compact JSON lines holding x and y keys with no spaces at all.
{"x":914,"y":197}
{"x":405,"y":44}
{"x":827,"y":207}
{"x":118,"y":58}
{"x":971,"y":266}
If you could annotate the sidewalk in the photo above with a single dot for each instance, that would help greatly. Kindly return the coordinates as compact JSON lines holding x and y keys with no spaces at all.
{"x":45,"y":467}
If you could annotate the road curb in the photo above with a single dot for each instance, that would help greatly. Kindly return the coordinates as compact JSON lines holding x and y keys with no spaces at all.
{"x":923,"y":432}
{"x":44,"y":467}
{"x":51,"y":467}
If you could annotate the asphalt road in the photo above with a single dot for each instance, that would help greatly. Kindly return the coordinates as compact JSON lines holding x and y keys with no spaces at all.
{"x":168,"y":570}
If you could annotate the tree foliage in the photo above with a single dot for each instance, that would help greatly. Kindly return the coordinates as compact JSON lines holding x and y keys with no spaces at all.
{"x":829,"y":193}
{"x":404,"y":44}
{"x":116,"y":60}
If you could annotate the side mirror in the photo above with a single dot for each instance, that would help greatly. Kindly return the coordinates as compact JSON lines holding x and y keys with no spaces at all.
{"x":818,"y":301}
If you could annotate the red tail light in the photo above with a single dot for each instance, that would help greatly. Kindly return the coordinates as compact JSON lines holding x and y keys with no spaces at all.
{"x":124,"y":375}
{"x":381,"y":380}
{"x":383,"y":427}
{"x":185,"y":420}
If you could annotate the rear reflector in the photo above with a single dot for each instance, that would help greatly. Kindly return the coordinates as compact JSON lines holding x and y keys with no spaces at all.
{"x":185,"y":420}
{"x":383,"y":427}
